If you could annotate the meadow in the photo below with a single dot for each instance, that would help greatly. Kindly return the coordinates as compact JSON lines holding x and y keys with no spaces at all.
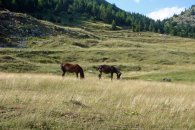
{"x":34,"y":95}
{"x":147,"y":56}
{"x":46,"y":101}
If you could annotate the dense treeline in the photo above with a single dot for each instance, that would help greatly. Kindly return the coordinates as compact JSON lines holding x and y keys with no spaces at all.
{"x":183,"y":30}
{"x":97,"y":10}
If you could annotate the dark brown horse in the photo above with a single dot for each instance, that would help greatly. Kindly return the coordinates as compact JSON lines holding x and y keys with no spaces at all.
{"x":109,"y":69}
{"x":72,"y":68}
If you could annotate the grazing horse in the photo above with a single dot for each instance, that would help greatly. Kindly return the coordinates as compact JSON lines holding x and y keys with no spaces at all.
{"x":72,"y":68}
{"x":109,"y":69}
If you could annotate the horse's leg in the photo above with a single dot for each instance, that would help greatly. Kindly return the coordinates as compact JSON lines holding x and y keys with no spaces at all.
{"x":63,"y":73}
{"x":100,"y":75}
{"x":77,"y":74}
{"x":111,"y":75}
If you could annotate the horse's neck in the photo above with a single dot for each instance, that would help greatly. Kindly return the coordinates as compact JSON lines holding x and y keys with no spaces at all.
{"x":117,"y":71}
{"x":114,"y":70}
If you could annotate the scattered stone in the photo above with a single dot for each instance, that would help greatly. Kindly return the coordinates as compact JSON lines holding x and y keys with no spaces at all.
{"x":167,"y":79}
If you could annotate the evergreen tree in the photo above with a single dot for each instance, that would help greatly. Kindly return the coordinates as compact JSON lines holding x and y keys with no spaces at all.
{"x":113,"y":25}
{"x":151,"y":26}
{"x":109,"y":16}
{"x":102,"y":11}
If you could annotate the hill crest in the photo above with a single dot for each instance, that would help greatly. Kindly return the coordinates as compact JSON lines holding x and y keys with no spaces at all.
{"x":186,"y":17}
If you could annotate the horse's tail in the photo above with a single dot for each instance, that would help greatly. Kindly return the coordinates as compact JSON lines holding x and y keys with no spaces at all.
{"x":81,"y":73}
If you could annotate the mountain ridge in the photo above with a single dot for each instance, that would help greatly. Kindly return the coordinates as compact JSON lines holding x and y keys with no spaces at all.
{"x":74,"y":12}
{"x":182,"y":25}
{"x":186,"y":17}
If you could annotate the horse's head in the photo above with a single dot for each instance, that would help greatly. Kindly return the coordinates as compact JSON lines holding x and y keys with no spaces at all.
{"x":96,"y":67}
{"x":119,"y":75}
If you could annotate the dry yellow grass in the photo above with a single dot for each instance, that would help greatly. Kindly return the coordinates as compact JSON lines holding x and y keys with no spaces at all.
{"x":39,"y":101}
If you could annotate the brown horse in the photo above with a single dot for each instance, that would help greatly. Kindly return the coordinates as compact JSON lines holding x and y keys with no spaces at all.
{"x":72,"y":68}
{"x":109,"y":69}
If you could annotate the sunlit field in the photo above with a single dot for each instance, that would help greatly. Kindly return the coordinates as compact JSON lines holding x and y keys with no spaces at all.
{"x":45,"y":101}
{"x":33,"y":95}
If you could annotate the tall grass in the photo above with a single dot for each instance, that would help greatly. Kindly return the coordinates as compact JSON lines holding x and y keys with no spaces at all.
{"x":39,"y":101}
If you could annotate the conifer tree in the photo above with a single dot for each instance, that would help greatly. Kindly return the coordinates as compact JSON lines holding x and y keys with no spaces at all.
{"x":113,"y":25}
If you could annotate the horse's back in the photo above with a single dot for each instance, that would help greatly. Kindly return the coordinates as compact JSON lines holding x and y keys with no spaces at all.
{"x":70,"y":67}
{"x":108,"y":69}
{"x":105,"y":68}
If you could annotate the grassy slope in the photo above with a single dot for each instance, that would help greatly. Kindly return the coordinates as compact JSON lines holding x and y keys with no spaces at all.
{"x":45,"y":101}
{"x":148,"y":56}
{"x":17,"y":28}
{"x":35,"y":101}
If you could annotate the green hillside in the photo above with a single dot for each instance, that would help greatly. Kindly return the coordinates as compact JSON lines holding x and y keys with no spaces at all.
{"x":68,"y":12}
{"x":39,"y":46}
{"x":148,"y":56}
{"x":186,"y":17}
{"x":156,"y":89}
{"x":182,"y":24}
{"x":18,"y":28}
{"x":63,"y":11}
